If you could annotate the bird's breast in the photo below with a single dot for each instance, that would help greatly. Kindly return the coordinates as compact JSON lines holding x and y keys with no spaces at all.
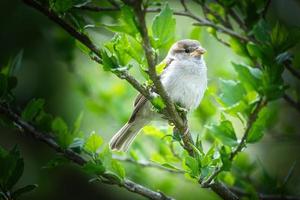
{"x":185,"y":83}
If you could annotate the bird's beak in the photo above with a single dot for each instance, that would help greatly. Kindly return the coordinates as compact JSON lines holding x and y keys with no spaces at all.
{"x":198,"y":52}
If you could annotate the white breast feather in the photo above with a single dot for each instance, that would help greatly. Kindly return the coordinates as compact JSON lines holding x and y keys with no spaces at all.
{"x":186,"y":82}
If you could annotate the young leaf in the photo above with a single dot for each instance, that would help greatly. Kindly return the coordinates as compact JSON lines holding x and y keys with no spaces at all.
{"x":232,"y":92}
{"x":109,"y":62}
{"x":11,"y":168}
{"x":55,"y":162}
{"x":60,"y":129}
{"x":163,"y":27}
{"x":127,"y":23}
{"x":76,"y":125}
{"x":61,"y":6}
{"x":257,"y":130}
{"x":224,"y":132}
{"x":158,"y":103}
{"x":193,"y":165}
{"x":32,"y":109}
{"x":93,"y":143}
{"x":16,"y":63}
{"x":93,"y":168}
{"x":250,"y":76}
{"x":261,"y":31}
{"x":238,"y":47}
{"x":118,"y":168}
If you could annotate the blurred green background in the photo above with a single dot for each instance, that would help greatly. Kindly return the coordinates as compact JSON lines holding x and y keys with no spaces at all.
{"x":56,"y":70}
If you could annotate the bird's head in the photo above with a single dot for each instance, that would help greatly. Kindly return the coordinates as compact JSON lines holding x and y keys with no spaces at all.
{"x":186,"y":49}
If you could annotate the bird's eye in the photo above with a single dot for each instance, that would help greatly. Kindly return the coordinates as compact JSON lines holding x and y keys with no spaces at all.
{"x":187,"y":51}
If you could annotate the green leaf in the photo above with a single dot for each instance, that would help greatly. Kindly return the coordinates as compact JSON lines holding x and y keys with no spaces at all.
{"x":232,"y":92}
{"x":251,"y":77}
{"x":22,"y":190}
{"x":114,"y":178}
{"x":127,"y":23}
{"x":55,"y":162}
{"x":76,"y":126}
{"x":118,"y":168}
{"x":93,"y":142}
{"x":3,"y":85}
{"x":82,"y":47}
{"x":158,"y":103}
{"x":105,"y":156}
{"x":254,"y":50}
{"x":225,"y":153}
{"x":262,"y":31}
{"x":196,"y":33}
{"x":281,"y":39}
{"x":257,"y":130}
{"x":11,"y":168}
{"x":224,"y":132}
{"x":32,"y":109}
{"x":60,"y":129}
{"x":59,"y":125}
{"x":61,"y":6}
{"x":16,"y":63}
{"x":163,"y":27}
{"x":238,"y":47}
{"x":109,"y":62}
{"x":94,"y":168}
{"x":193,"y":165}
{"x":169,"y":166}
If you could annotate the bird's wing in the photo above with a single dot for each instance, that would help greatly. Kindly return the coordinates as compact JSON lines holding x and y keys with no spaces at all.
{"x":140,"y":100}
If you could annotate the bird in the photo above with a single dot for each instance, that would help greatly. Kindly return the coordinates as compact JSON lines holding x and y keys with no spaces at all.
{"x":184,"y":79}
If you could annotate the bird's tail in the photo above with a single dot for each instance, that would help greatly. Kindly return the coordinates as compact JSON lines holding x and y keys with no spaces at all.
{"x":124,"y":137}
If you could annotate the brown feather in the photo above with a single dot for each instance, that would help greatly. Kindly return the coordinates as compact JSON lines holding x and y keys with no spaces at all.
{"x":140,"y":100}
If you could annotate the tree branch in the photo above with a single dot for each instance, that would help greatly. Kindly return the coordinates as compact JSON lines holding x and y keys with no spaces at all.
{"x":85,"y":40}
{"x":252,"y":118}
{"x":292,"y":102}
{"x":292,"y":70}
{"x":150,"y":164}
{"x":265,"y":10}
{"x":54,"y":17}
{"x":180,"y":123}
{"x":74,"y":157}
{"x":200,"y":21}
{"x":263,"y":196}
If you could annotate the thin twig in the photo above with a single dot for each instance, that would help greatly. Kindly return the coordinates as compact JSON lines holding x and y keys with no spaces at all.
{"x":252,"y":118}
{"x":263,"y":196}
{"x":85,"y":40}
{"x":179,"y":123}
{"x":292,"y":102}
{"x":292,"y":70}
{"x":184,"y":5}
{"x":72,"y":31}
{"x":74,"y":157}
{"x":150,"y":164}
{"x":200,"y":21}
{"x":264,"y":12}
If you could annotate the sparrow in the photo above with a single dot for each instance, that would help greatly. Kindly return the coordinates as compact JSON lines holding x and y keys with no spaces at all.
{"x":185,"y":80}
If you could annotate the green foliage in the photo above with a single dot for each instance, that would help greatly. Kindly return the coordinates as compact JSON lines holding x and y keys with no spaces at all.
{"x":94,"y":168}
{"x":233,"y":92}
{"x":32,"y":109}
{"x":163,"y":27}
{"x":223,"y":132}
{"x":93,"y":143}
{"x":11,"y":170}
{"x":259,"y":126}
{"x":7,"y":79}
{"x":251,"y":77}
{"x":127,"y":23}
